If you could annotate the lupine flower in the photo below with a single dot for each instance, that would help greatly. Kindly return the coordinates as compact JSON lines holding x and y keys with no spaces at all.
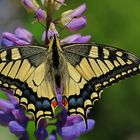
{"x":33,"y":6}
{"x":24,"y":34}
{"x":73,"y":19}
{"x":14,"y":116}
{"x":8,"y":39}
{"x":40,"y":14}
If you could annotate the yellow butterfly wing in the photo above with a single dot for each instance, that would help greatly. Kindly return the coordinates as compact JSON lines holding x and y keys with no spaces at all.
{"x":23,"y":69}
{"x":91,"y":68}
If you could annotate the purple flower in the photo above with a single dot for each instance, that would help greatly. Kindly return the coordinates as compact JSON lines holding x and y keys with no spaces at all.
{"x":16,"y":128}
{"x":31,"y":5}
{"x":13,"y":116}
{"x":6,"y":42}
{"x":78,"y":11}
{"x":76,"y":23}
{"x":40,"y":14}
{"x":21,"y":37}
{"x":73,"y":19}
{"x":23,"y":34}
{"x":70,"y":132}
{"x":6,"y":106}
{"x":75,"y":38}
{"x":52,"y":137}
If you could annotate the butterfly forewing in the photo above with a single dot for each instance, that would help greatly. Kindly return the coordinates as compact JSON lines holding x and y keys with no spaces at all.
{"x":92,"y":67}
{"x":23,"y":69}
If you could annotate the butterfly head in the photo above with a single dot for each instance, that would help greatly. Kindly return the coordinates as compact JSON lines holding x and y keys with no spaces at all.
{"x":54,"y":42}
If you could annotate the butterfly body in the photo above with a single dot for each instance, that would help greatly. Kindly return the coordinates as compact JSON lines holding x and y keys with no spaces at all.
{"x":82,"y":71}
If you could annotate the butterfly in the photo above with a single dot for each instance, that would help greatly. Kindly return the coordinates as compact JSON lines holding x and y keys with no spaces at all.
{"x":82,"y":71}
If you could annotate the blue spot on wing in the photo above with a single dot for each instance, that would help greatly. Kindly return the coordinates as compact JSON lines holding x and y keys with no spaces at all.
{"x":46,"y":104}
{"x":72,"y":102}
{"x":39,"y":105}
{"x":80,"y":101}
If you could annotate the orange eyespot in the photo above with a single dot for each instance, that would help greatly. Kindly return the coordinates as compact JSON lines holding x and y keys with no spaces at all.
{"x":54,"y":103}
{"x":64,"y":102}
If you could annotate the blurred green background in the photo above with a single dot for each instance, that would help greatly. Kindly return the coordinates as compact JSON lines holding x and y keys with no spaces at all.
{"x":116,"y":23}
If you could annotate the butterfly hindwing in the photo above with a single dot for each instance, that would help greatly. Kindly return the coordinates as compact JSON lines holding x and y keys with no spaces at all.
{"x":72,"y":98}
{"x":96,"y":66}
{"x":23,"y":69}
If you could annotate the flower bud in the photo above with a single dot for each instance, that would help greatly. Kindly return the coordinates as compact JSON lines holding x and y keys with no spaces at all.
{"x":57,"y":3}
{"x":41,"y":14}
{"x":80,"y":128}
{"x":73,"y":19}
{"x":9,"y":39}
{"x":23,"y":34}
{"x":31,"y":5}
{"x":75,"y":12}
{"x":75,"y":38}
{"x":16,"y":128}
{"x":76,"y":24}
{"x":6,"y":106}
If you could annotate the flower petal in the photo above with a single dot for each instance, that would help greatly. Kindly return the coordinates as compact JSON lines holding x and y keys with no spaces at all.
{"x":31,"y":5}
{"x":20,"y":116}
{"x":52,"y":137}
{"x":70,"y":39}
{"x":6,"y":106}
{"x":16,"y":128}
{"x":13,"y":38}
{"x":21,"y":42}
{"x":71,"y":120}
{"x":79,"y":128}
{"x":12,"y":99}
{"x":74,"y":12}
{"x":6,"y":42}
{"x":75,"y":38}
{"x":78,"y":11}
{"x":41,"y":134}
{"x":76,"y":24}
{"x":40,"y":14}
{"x":9,"y":36}
{"x":23,"y":34}
{"x":5,"y":118}
{"x":83,"y":39}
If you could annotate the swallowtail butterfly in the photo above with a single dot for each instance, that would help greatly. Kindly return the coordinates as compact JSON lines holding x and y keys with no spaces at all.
{"x":81,"y":70}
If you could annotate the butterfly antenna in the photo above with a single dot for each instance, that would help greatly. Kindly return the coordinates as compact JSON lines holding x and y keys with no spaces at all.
{"x":65,"y":25}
